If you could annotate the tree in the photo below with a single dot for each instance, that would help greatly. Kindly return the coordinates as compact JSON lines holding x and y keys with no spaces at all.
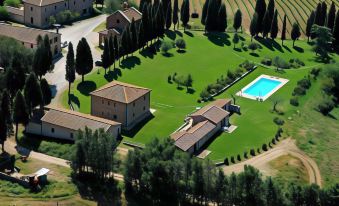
{"x":188,"y":82}
{"x":235,"y":39}
{"x":212,"y":19}
{"x":295,"y":33}
{"x":222,"y":18}
{"x":331,"y":17}
{"x":180,"y":43}
{"x":133,"y":36}
{"x":336,"y":31}
{"x":273,"y":193}
{"x":5,"y":107}
{"x":3,"y":130}
{"x":322,"y":41}
{"x":323,"y":13}
{"x":111,"y":51}
{"x":271,"y":9}
{"x":253,"y":26}
{"x":116,"y":46}
{"x":46,"y":92}
{"x":260,"y":9}
{"x":237,"y":20}
{"x":204,"y":12}
{"x":309,"y":25}
{"x":169,"y":15}
{"x":32,"y":92}
{"x":185,"y":13}
{"x":15,"y":75}
{"x":318,"y":15}
{"x":175,"y":13}
{"x":166,"y":46}
{"x":70,"y":68}
{"x":266,"y":25}
{"x":20,"y":113}
{"x":283,"y":32}
{"x":42,"y":61}
{"x":84,"y":59}
{"x":274,"y":26}
{"x":105,"y":57}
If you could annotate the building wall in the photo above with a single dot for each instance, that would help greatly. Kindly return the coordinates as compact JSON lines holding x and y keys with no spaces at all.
{"x":15,"y":14}
{"x":127,"y":114}
{"x":103,"y":36}
{"x":115,"y":131}
{"x":117,"y":20}
{"x":32,"y":15}
{"x":55,"y":42}
{"x":59,"y":132}
{"x":33,"y":128}
{"x":201,"y":142}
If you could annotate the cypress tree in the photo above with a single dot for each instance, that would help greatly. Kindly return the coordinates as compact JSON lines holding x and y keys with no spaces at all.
{"x":204,"y":12}
{"x":3,"y":130}
{"x":160,"y":21}
{"x":331,"y":16}
{"x":169,"y":15}
{"x":283,"y":32}
{"x":175,"y":13}
{"x":15,"y":76}
{"x":105,"y":57}
{"x":111,"y":53}
{"x":84,"y":59}
{"x":46,"y":92}
{"x":295,"y":33}
{"x":309,"y":25}
{"x":185,"y":13}
{"x":260,"y":9}
{"x":266,"y":24}
{"x":5,"y":107}
{"x":133,"y":36}
{"x":141,"y":36}
{"x":253,"y":25}
{"x":116,"y":49}
{"x":271,"y":9}
{"x":70,"y":68}
{"x":48,"y":57}
{"x":20,"y":113}
{"x":318,"y":14}
{"x":336,"y":31}
{"x":222,"y":18}
{"x":237,"y":20}
{"x":145,"y":21}
{"x":32,"y":92}
{"x":323,"y":13}
{"x":274,"y":27}
{"x":212,"y":18}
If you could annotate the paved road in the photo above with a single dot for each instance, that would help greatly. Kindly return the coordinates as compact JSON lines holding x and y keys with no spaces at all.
{"x":285,"y":147}
{"x":73,"y":34}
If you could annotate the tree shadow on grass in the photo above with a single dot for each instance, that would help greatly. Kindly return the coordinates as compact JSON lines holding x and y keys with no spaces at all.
{"x":74,"y":100}
{"x":219,"y":39}
{"x":190,"y":91}
{"x":148,"y":52}
{"x":130,"y":62}
{"x":167,"y":54}
{"x":254,"y":54}
{"x":237,"y":49}
{"x":181,"y":51}
{"x":276,"y":45}
{"x":170,"y":34}
{"x":265,"y":42}
{"x":287,"y":48}
{"x":188,"y":33}
{"x":299,"y":49}
{"x":131,"y":133}
{"x":113,"y":75}
{"x":86,"y":87}
{"x":178,"y":33}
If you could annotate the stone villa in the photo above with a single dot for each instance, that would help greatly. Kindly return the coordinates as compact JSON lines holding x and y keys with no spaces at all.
{"x":118,"y":21}
{"x":121,"y":102}
{"x":36,"y":13}
{"x":203,"y":124}
{"x":28,"y":36}
{"x":63,"y":124}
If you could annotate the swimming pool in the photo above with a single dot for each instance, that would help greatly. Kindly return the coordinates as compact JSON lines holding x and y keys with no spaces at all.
{"x":262,"y":87}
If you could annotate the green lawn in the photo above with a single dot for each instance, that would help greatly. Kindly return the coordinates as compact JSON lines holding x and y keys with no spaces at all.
{"x":206,"y":58}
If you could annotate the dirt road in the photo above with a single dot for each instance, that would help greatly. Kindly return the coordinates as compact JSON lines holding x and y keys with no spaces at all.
{"x":285,"y":147}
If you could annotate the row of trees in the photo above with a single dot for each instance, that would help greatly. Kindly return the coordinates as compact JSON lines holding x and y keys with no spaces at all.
{"x":214,"y":16}
{"x":160,"y":174}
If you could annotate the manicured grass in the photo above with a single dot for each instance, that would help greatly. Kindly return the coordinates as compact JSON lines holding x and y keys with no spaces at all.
{"x":206,"y":58}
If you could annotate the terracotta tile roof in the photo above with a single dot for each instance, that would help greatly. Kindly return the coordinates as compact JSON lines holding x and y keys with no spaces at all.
{"x":109,"y":31}
{"x":212,"y":113}
{"x":133,"y":13}
{"x":120,"y":92}
{"x":185,"y":140}
{"x":220,"y":102}
{"x":76,"y":120}
{"x":24,"y":34}
{"x":42,"y":2}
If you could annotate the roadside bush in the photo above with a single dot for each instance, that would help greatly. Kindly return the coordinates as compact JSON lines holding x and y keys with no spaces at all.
{"x":180,"y":43}
{"x":273,"y":141}
{"x":258,"y":150}
{"x":264,"y":147}
{"x":294,"y":101}
{"x":247,"y":65}
{"x":12,"y":3}
{"x":232,"y":160}
{"x":238,"y":72}
{"x":226,"y":161}
{"x":231,"y":75}
{"x":252,"y":152}
{"x":245,"y":155}
{"x":326,"y":105}
{"x":169,"y":79}
{"x":267,"y":61}
{"x":204,"y":94}
{"x":4,"y":16}
{"x":238,"y":158}
{"x":278,"y":121}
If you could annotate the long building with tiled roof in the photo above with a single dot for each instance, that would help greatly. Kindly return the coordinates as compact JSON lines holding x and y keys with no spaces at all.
{"x":125,"y":103}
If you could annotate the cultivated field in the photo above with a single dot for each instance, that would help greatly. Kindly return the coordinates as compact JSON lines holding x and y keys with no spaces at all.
{"x":296,"y":10}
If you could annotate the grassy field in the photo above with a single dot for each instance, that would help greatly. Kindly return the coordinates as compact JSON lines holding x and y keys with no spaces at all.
{"x":172,"y":105}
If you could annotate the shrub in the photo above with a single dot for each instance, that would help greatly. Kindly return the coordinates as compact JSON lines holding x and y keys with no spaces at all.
{"x":65,"y":17}
{"x":294,"y":101}
{"x":280,"y":63}
{"x":169,"y":79}
{"x":195,"y":15}
{"x":12,"y":3}
{"x":247,"y":65}
{"x":4,"y":16}
{"x":258,"y":150}
{"x":253,"y":46}
{"x":238,"y":158}
{"x":231,"y":75}
{"x":300,"y":91}
{"x":232,"y":160}
{"x":326,"y":105}
{"x":180,"y":43}
{"x":278,"y":121}
{"x":238,"y":72}
{"x":245,"y":155}
{"x":252,"y":152}
{"x":315,"y":72}
{"x":305,"y":83}
{"x":204,"y":94}
{"x":296,"y":63}
{"x":166,"y":46}
{"x":264,"y":147}
{"x":226,"y":161}
{"x":273,"y":141}
{"x":267,"y":61}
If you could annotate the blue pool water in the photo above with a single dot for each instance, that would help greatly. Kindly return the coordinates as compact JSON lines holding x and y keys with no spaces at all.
{"x":262,"y":87}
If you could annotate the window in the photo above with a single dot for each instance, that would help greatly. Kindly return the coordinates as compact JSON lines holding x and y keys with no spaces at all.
{"x":31,"y":46}
{"x":144,"y":98}
{"x":102,"y":101}
{"x":115,"y":117}
{"x":65,"y":4}
{"x":52,"y":130}
{"x":50,"y":41}
{"x":45,"y":19}
{"x":133,"y":114}
{"x":144,"y":108}
{"x":133,"y":104}
{"x":31,"y":8}
{"x":54,"y":7}
{"x":108,"y":103}
{"x":71,"y":135}
{"x":84,"y":11}
{"x":55,"y":39}
{"x":118,"y":21}
{"x":74,"y":2}
{"x":115,"y":104}
{"x":102,"y":113}
{"x":32,"y":21}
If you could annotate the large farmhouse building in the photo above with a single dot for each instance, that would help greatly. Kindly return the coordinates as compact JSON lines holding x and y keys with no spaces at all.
{"x":63,"y":124}
{"x":28,"y":36}
{"x":36,"y":13}
{"x":121,"y":102}
{"x":202,"y":125}
{"x":118,"y":21}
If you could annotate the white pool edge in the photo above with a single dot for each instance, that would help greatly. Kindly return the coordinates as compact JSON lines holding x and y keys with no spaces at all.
{"x":282,"y":83}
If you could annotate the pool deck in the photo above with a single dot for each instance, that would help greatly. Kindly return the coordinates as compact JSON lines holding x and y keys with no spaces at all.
{"x":262,"y":98}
